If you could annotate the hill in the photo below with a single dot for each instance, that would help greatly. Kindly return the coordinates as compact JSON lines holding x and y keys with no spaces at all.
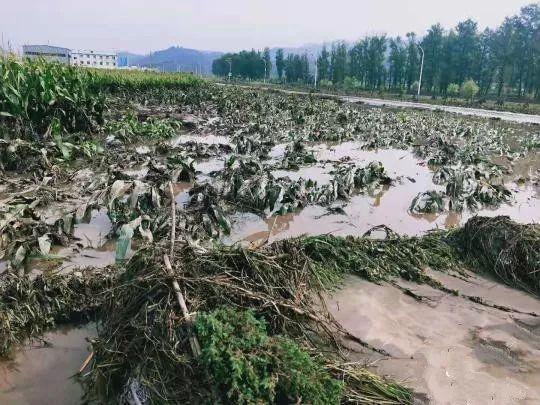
{"x":178,"y":59}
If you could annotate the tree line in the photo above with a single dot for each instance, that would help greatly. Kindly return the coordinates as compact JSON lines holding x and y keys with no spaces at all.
{"x":504,"y":61}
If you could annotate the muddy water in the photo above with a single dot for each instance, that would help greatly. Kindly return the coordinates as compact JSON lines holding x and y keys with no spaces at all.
{"x":448,"y":349}
{"x":93,"y":247}
{"x":41,"y":374}
{"x":389,"y":206}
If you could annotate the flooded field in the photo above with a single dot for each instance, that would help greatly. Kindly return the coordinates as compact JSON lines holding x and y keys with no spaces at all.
{"x":389,"y":205}
{"x":257,"y":189}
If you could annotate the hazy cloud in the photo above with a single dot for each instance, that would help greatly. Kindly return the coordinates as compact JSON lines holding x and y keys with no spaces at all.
{"x":141,"y":26}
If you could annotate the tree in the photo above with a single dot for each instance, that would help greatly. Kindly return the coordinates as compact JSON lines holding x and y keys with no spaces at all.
{"x":280,"y":63}
{"x":469,"y":89}
{"x":452,"y":90}
{"x":297,"y":68}
{"x":466,"y":50}
{"x":248,"y":65}
{"x":397,"y":63}
{"x":413,"y":62}
{"x":267,"y":62}
{"x":502,"y":60}
{"x":433,"y":47}
{"x":323,"y":64}
{"x":339,"y":62}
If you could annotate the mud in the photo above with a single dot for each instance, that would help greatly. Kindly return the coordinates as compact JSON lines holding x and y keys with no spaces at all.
{"x":447,"y":348}
{"x":43,"y":373}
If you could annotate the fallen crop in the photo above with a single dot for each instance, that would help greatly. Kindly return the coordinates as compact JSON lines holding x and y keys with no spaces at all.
{"x":509,"y":250}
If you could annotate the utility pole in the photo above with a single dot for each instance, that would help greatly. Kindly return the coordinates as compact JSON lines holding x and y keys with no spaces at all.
{"x":230,"y":69}
{"x":264,"y":72}
{"x":421,"y":71}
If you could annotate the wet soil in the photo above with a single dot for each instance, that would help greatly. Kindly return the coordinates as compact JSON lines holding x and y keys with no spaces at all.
{"x":447,"y":348}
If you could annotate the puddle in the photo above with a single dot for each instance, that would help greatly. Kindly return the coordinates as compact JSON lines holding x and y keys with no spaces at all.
{"x":449,"y":349}
{"x":94,"y":233}
{"x":91,"y":248}
{"x":320,"y":173}
{"x":208,"y":139}
{"x":389,"y":206}
{"x":208,"y":166}
{"x":42,"y":375}
{"x":277,"y":152}
{"x":181,"y":191}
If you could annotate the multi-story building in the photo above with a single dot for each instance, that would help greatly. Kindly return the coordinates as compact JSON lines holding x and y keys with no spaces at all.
{"x":86,"y":58}
{"x":94,"y":59}
{"x":47,"y":52}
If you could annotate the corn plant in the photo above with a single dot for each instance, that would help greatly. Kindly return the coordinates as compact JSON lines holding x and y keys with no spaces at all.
{"x":33,"y":93}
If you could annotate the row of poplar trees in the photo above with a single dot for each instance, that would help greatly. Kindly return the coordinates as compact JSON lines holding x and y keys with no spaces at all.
{"x":501,"y":61}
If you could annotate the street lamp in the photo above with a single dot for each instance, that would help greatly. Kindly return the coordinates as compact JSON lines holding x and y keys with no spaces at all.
{"x":421,"y":71}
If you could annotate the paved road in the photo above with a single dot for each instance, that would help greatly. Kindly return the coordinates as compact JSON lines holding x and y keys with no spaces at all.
{"x":478,"y":112}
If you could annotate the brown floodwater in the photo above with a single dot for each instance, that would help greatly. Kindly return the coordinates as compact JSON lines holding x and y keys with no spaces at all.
{"x":447,"y":348}
{"x":388,"y":206}
{"x":93,"y":247}
{"x":42,"y":374}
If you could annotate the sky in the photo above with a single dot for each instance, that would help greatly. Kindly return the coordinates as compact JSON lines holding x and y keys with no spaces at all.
{"x":142,"y":26}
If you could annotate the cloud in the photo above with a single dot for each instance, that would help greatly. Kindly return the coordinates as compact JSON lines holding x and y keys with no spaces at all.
{"x":142,"y":26}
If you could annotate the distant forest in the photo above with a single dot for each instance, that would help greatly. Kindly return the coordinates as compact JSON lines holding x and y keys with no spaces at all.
{"x":499,"y":62}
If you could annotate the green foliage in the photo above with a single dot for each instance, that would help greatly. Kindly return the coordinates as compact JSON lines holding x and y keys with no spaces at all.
{"x":34,"y":93}
{"x":248,"y":65}
{"x":130,"y":128}
{"x":452,"y":90}
{"x":128,"y":81}
{"x":469,"y":89}
{"x":428,"y":202}
{"x":350,"y":83}
{"x":280,"y":63}
{"x":297,"y":68}
{"x":250,"y":367}
{"x":325,"y":84}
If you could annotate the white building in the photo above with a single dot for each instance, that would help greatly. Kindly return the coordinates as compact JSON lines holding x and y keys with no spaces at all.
{"x":94,"y":59}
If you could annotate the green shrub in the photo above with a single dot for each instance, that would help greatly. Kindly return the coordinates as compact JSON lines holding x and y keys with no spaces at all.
{"x":248,"y":366}
{"x":325,"y":83}
{"x":350,"y":83}
{"x":452,"y":90}
{"x":469,"y":89}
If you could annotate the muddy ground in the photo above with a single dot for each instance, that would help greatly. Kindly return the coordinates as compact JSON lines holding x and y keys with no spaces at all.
{"x":449,"y":349}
